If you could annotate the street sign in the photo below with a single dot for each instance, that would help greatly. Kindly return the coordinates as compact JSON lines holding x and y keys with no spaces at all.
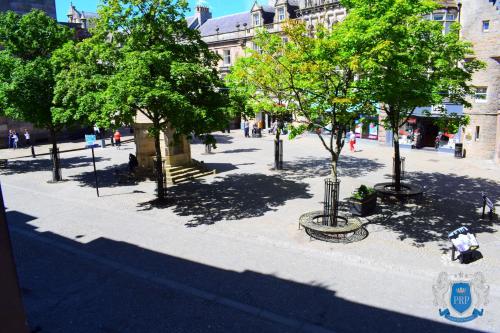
{"x":90,"y":140}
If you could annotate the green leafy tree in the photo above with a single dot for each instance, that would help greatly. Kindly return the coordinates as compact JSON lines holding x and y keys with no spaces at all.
{"x":313,"y":76}
{"x":407,"y":60}
{"x":143,"y":58}
{"x":27,"y":77}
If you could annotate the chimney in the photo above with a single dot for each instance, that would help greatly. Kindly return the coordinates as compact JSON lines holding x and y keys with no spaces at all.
{"x":203,"y":13}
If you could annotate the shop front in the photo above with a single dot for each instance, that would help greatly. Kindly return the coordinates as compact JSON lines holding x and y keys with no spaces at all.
{"x":421,"y":131}
{"x":367,"y":128}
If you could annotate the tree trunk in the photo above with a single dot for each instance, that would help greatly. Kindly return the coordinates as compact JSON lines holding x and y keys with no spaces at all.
{"x":159,"y":168}
{"x":56,"y":164}
{"x":334,"y":168}
{"x":397,"y":160}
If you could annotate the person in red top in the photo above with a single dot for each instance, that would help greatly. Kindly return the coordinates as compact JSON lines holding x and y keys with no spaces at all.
{"x":118,"y":138}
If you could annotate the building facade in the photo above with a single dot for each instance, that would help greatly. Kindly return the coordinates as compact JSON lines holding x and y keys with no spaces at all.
{"x":480,"y":20}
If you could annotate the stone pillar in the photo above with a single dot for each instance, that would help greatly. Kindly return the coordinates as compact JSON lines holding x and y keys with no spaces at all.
{"x":174,"y":152}
{"x":177,"y":151}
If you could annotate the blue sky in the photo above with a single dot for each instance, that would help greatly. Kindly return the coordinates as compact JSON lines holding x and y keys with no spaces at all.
{"x":218,"y":7}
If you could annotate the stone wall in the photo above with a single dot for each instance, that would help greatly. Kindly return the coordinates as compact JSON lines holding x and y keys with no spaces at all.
{"x":7,"y":124}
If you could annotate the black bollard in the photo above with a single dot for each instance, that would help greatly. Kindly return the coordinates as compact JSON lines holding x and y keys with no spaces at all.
{"x":33,"y":151}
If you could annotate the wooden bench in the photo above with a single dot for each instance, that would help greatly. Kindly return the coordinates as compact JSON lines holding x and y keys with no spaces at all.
{"x":3,"y":163}
{"x":488,"y":203}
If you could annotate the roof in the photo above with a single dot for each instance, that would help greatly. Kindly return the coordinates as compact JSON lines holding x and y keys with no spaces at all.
{"x":225,"y":24}
{"x":89,"y":14}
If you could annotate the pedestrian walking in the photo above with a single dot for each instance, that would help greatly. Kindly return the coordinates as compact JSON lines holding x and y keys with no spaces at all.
{"x":437,"y":141}
{"x":15,"y":139}
{"x":118,"y":138}
{"x":352,"y":141}
{"x":27,"y":138}
{"x":246,"y":128}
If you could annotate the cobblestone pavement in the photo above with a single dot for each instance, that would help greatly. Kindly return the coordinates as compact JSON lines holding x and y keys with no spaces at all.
{"x":225,"y":253}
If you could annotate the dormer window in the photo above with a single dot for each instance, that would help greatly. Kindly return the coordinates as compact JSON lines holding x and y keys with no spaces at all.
{"x":281,"y":14}
{"x":256,"y":19}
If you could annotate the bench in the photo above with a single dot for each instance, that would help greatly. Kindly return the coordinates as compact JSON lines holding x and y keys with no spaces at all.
{"x":487,"y":202}
{"x":464,"y":242}
{"x":3,"y":163}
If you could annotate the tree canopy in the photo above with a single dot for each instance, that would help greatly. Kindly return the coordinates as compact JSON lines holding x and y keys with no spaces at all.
{"x":312,"y":74}
{"x":407,"y":60}
{"x":27,"y":75}
{"x":143,"y":58}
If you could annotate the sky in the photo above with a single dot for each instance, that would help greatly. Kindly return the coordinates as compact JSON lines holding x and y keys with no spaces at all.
{"x":218,"y":7}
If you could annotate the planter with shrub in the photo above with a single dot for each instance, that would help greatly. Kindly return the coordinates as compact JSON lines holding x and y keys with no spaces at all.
{"x":363,"y":201}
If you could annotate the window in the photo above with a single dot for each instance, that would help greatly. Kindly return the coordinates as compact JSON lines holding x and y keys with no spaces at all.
{"x":438,"y":17}
{"x":481,"y":94}
{"x":281,"y":14}
{"x":256,"y":19}
{"x":476,"y":137}
{"x":227,"y":57}
{"x":486,"y":26}
{"x":256,"y":48}
{"x":445,"y":18}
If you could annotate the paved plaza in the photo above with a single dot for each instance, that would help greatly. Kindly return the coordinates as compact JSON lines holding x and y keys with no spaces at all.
{"x":225,"y":253}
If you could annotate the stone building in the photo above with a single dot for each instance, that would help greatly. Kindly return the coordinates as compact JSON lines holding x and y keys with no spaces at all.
{"x":24,"y":6}
{"x":82,"y":19}
{"x":480,"y":20}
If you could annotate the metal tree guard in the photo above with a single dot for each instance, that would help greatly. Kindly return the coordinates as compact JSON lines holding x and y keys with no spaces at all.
{"x":331,"y":202}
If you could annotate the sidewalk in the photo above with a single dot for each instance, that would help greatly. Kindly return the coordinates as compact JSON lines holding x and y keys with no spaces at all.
{"x":43,"y":149}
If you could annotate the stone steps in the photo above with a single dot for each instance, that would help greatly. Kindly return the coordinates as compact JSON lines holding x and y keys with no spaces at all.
{"x":179,"y":174}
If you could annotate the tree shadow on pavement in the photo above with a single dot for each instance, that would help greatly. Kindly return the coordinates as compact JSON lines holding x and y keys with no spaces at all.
{"x":45,"y":164}
{"x":111,"y":176}
{"x":80,"y":286}
{"x":233,"y":197}
{"x":449,"y":202}
{"x":311,"y":167}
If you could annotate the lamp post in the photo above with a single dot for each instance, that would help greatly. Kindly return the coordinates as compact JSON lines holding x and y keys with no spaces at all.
{"x":459,"y":4}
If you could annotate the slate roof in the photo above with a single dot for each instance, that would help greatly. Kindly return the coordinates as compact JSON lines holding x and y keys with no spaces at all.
{"x":225,"y":24}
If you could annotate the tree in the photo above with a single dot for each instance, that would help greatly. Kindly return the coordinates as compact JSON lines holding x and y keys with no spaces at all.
{"x":259,"y":85}
{"x":315,"y":74}
{"x":407,"y":60}
{"x":27,"y":76}
{"x":143,"y":58}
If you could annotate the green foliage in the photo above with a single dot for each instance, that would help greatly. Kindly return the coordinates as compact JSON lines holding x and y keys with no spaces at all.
{"x":314,"y":77}
{"x":406,"y":59}
{"x":143,"y":58}
{"x":363,"y":192}
{"x":27,"y":76}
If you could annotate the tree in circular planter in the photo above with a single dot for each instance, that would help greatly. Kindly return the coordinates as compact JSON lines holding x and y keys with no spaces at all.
{"x":316,"y":75}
